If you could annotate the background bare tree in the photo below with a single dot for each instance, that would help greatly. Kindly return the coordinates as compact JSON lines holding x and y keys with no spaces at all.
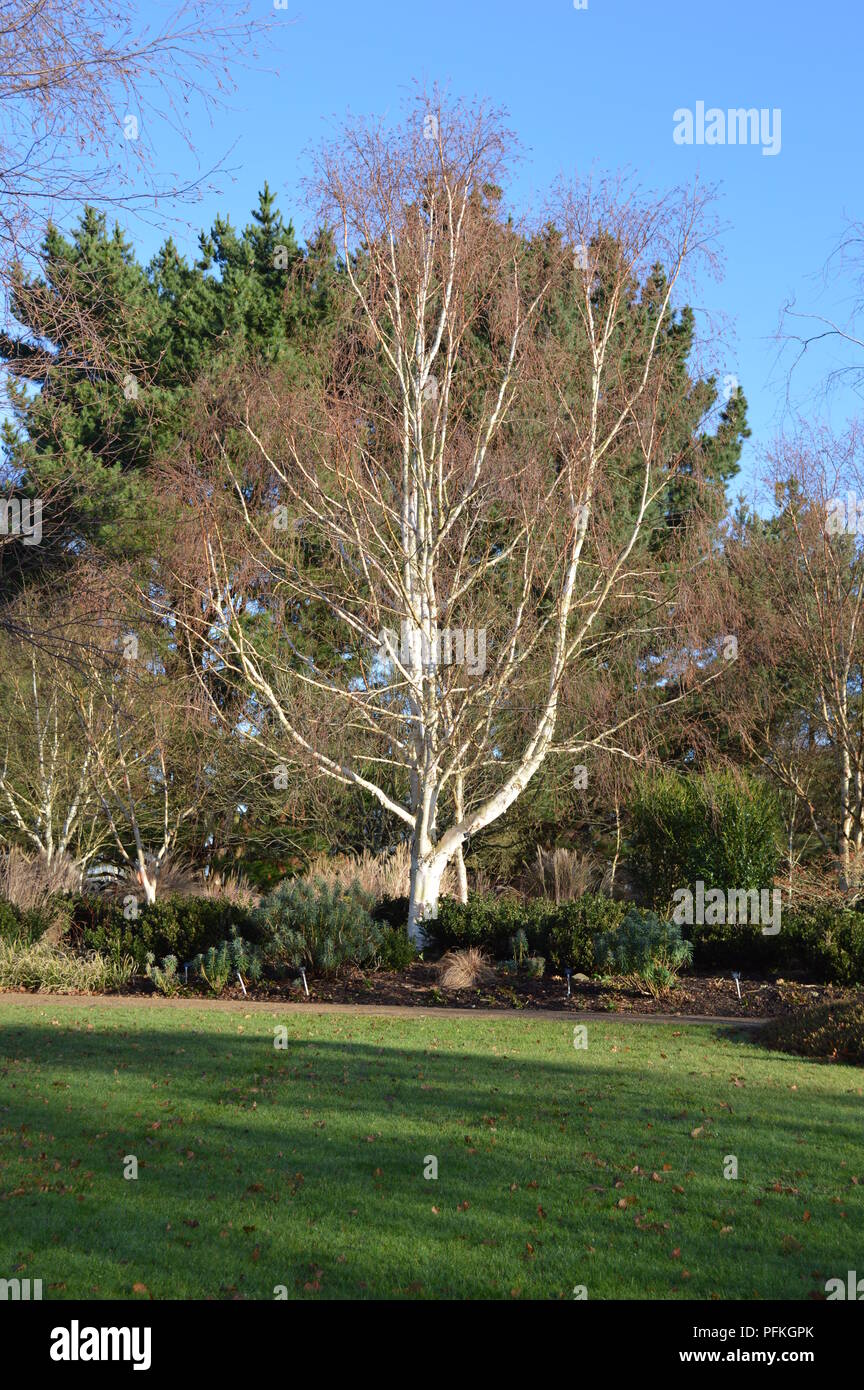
{"x":149,"y":741}
{"x":797,"y":703}
{"x":835,"y":335}
{"x":83,"y":90}
{"x":48,"y":801}
{"x":86,"y":92}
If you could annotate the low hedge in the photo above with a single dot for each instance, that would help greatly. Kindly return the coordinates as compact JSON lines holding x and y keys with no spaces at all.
{"x":183,"y":927}
{"x":821,"y":942}
{"x":485,"y":923}
{"x":573,"y":928}
{"x":824,"y":944}
{"x":172,"y":926}
{"x":563,"y":933}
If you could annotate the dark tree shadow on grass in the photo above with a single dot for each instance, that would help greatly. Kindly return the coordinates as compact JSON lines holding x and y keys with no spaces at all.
{"x":304,"y":1168}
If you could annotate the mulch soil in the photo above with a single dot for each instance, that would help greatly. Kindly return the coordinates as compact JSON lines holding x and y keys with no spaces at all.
{"x":706,"y":996}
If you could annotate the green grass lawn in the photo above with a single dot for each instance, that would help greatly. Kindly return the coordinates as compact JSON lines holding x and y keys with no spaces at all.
{"x":304,"y":1167}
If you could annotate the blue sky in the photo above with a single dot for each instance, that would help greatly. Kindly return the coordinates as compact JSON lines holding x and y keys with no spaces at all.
{"x":587,"y":90}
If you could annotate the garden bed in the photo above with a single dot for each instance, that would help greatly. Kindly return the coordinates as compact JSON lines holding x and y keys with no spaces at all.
{"x":705,"y":996}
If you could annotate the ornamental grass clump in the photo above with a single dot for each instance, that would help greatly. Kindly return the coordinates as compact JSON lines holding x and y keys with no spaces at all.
{"x":40,"y":965}
{"x":465,"y":970}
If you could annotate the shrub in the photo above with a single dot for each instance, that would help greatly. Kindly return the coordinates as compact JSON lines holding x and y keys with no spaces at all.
{"x":392,"y":912}
{"x":834,"y":1031}
{"x":218,"y":964}
{"x":174,"y":926}
{"x":563,"y":933}
{"x":485,"y":922}
{"x":396,"y":950}
{"x":722,"y":828}
{"x":164,"y":977}
{"x":39,"y":965}
{"x":31,"y":924}
{"x":645,"y":949}
{"x":820,"y":941}
{"x":726,"y":946}
{"x":465,"y":969}
{"x":10,"y":921}
{"x":319,"y":925}
{"x":519,"y":946}
{"x":828,"y":945}
{"x":535,"y":967}
{"x":213,"y":967}
{"x":263,"y":875}
{"x":573,"y":928}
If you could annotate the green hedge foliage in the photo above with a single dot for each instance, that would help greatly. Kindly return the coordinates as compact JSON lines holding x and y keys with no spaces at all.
{"x":172,"y":926}
{"x":721,"y":828}
{"x":819,"y":942}
{"x":563,"y":933}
